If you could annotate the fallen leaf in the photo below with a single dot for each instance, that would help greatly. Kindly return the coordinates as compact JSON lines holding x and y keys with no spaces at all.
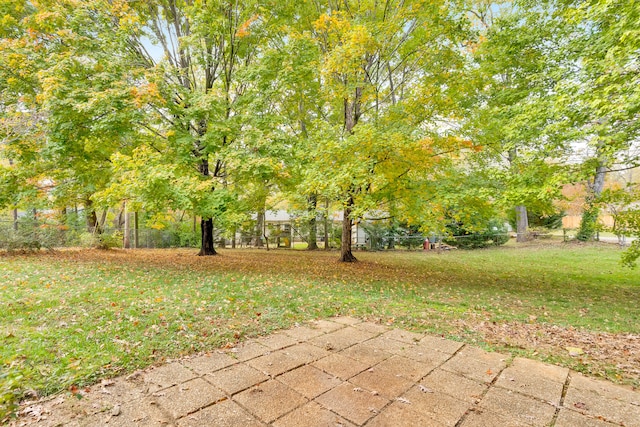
{"x":574,"y":351}
{"x":115,"y":411}
{"x":403,"y":400}
{"x":425,"y":389}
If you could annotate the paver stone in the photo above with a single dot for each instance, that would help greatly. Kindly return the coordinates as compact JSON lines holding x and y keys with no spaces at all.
{"x":461,"y":388}
{"x":341,"y":366}
{"x":517,"y":407}
{"x":366,"y":354}
{"x":352,"y":404}
{"x":342,"y":338}
{"x":476,"y":364}
{"x":312,"y":415}
{"x":382,"y":382}
{"x":275,"y":363}
{"x":401,"y":415}
{"x":540,"y":369}
{"x":389,"y":345}
{"x":209,"y":362}
{"x":277,"y":341}
{"x":270,"y":400}
{"x":309,"y":381}
{"x":306,"y":353}
{"x":425,"y":354}
{"x":533,"y":380}
{"x":402,"y":367}
{"x":605,"y":389}
{"x":371,"y":327}
{"x":403,"y":336}
{"x":439,"y":406}
{"x":223,"y":414}
{"x":441,"y":344}
{"x":303,"y":333}
{"x":346,"y":320}
{"x":249,"y":350}
{"x":185,"y":398}
{"x":139,"y":413}
{"x":484,"y":418}
{"x":236,"y":378}
{"x":567,"y":418}
{"x":166,"y":376}
{"x":326,"y":326}
{"x":594,"y":404}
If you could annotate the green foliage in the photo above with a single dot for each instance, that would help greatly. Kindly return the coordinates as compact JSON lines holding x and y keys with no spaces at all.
{"x":11,"y":389}
{"x":630,"y":222}
{"x":589,"y":224}
{"x":539,"y":219}
{"x":493,"y":234}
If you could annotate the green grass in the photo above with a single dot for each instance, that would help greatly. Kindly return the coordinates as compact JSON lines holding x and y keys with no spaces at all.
{"x":70,"y":318}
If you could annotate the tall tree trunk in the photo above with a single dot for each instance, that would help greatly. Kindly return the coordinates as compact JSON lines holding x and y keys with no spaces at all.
{"x":206,"y":231}
{"x":589,"y":222}
{"x":135,"y":230}
{"x":91,"y":218}
{"x":522,"y":224}
{"x":347,"y":223}
{"x":351,"y":117}
{"x":233,"y":238}
{"x":103,"y":218}
{"x":522,"y":221}
{"x":259,"y":229}
{"x":325,"y":218}
{"x":313,"y":226}
{"x":15,"y":211}
{"x":126,"y":235}
{"x":206,"y":224}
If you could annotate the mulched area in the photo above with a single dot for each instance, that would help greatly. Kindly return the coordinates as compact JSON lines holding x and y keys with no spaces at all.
{"x":592,"y":352}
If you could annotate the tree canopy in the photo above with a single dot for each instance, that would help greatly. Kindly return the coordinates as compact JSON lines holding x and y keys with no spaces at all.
{"x":429,"y":113}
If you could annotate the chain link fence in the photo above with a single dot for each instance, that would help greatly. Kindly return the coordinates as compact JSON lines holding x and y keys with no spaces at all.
{"x":33,"y":234}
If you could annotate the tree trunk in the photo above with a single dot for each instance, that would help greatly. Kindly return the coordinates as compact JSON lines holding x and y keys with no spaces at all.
{"x":15,"y":220}
{"x":206,"y":224}
{"x":103,"y":218}
{"x":206,"y":231}
{"x":522,"y":220}
{"x":126,"y":235}
{"x":313,"y":226}
{"x":135,"y":230}
{"x":325,"y":218}
{"x":233,"y":239}
{"x":259,"y":229}
{"x":589,"y":222}
{"x":345,"y":249}
{"x":522,"y":224}
{"x":91,"y":218}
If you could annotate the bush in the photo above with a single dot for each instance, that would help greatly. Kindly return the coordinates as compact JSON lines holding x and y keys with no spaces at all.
{"x":538,"y":219}
{"x":9,"y":393}
{"x":494,"y":234}
{"x":30,"y":236}
{"x":101,"y":241}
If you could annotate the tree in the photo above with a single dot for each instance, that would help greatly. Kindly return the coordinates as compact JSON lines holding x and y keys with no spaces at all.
{"x":599,"y":102}
{"x":383,"y":69}
{"x":515,"y":78}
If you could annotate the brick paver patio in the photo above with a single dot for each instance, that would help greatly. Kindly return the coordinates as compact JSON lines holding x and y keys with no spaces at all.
{"x":344,"y":372}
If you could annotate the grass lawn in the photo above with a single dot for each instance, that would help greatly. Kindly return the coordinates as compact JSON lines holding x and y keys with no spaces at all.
{"x":71,"y":317}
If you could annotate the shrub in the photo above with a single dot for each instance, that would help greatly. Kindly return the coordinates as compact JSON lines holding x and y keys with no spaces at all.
{"x":9,"y":393}
{"x":494,"y":234}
